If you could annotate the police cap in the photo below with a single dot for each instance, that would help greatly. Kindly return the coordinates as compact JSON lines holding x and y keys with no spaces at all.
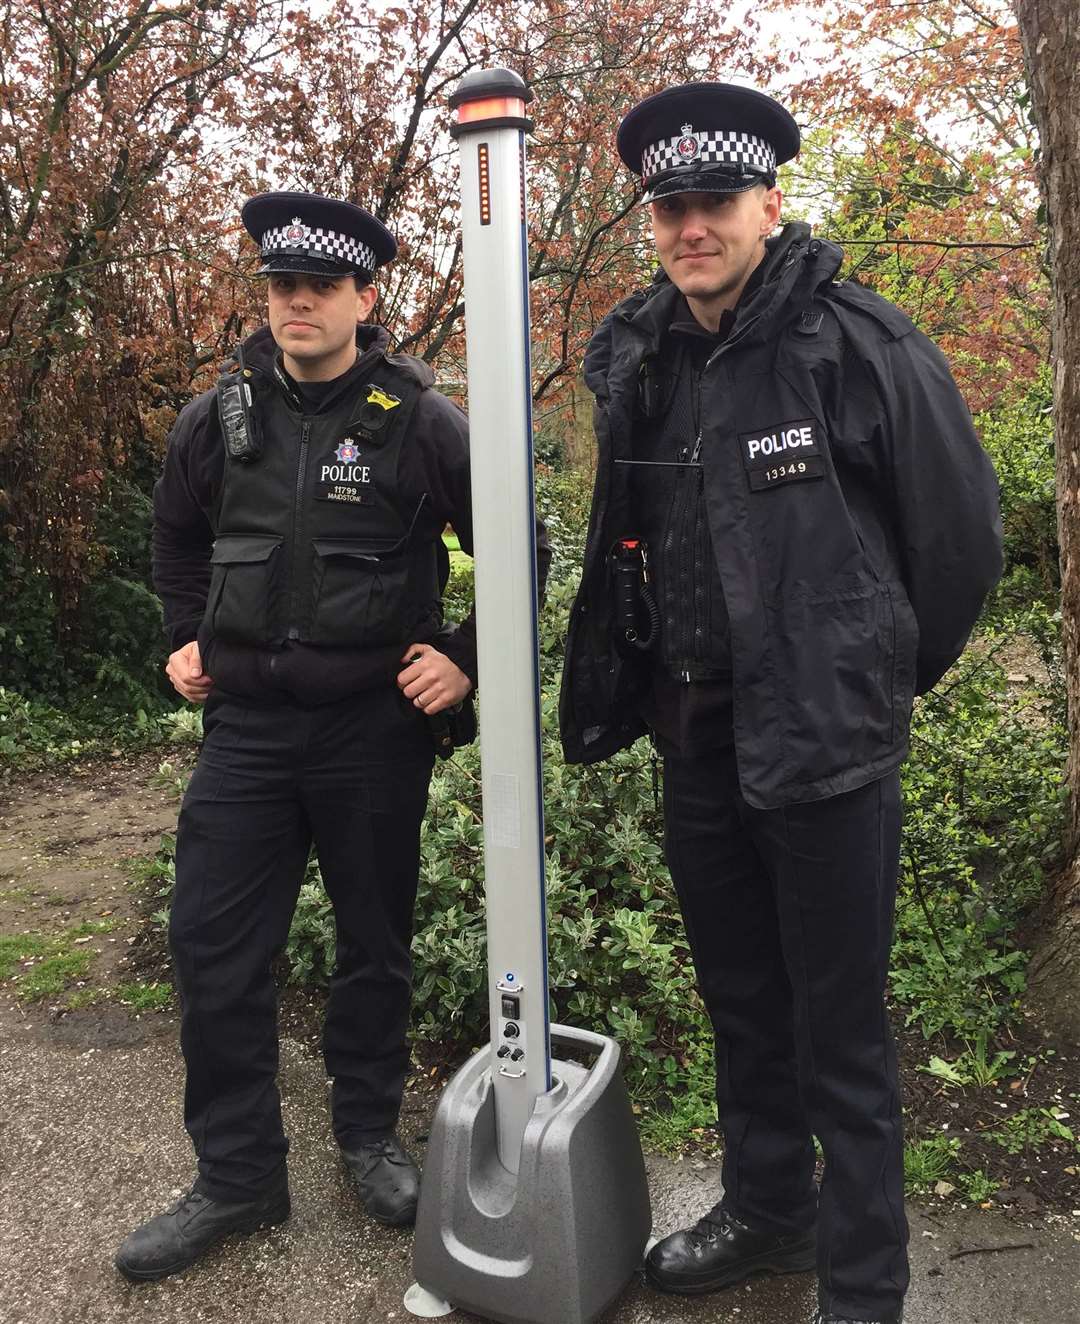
{"x":308,"y":232}
{"x":706,"y":138}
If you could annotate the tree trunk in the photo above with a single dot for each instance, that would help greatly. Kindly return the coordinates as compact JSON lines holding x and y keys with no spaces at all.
{"x":1050,"y":30}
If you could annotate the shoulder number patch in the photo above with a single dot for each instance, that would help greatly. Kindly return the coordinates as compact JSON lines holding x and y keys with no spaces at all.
{"x":782,"y":453}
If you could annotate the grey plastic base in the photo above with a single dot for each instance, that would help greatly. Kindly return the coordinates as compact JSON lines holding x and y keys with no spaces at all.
{"x":558,"y":1242}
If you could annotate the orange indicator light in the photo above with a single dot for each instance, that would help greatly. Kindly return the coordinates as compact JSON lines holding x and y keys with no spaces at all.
{"x":484,"y":175}
{"x":491,"y":108}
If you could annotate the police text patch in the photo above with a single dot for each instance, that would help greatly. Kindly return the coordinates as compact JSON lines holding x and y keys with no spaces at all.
{"x":782,"y":453}
{"x":345,"y":477}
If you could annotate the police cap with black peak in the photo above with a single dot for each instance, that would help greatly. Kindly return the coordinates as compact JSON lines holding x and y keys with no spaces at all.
{"x":706,"y":138}
{"x":305,"y":232}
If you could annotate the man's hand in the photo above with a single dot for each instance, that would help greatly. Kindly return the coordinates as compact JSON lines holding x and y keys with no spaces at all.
{"x":184,"y":669}
{"x":431,"y":680}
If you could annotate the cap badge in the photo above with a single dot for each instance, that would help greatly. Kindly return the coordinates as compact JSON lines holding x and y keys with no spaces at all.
{"x":297,"y":231}
{"x":347,"y":452}
{"x":688,"y":145}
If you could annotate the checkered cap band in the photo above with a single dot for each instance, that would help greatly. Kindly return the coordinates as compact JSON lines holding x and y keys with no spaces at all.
{"x":284,"y":240}
{"x":739,"y":151}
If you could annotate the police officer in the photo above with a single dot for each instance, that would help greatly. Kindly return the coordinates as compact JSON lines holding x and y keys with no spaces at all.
{"x":298,"y":554}
{"x":794,"y":528}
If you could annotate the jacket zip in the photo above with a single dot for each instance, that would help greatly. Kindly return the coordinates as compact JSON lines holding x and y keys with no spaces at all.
{"x":301,"y":473}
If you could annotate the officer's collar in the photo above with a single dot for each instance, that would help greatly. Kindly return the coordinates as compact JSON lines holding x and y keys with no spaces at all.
{"x":651,"y":311}
{"x":371,"y":341}
{"x":683,"y":321}
{"x":260,"y":348}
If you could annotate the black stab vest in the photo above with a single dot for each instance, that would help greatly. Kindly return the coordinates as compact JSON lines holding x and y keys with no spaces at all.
{"x":313,"y":544}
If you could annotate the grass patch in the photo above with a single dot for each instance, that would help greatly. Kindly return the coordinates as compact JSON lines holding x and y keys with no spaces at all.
{"x":155,"y":873}
{"x":91,"y":927}
{"x":142,"y":996}
{"x":52,"y":974}
{"x":687,"y":1120}
{"x":18,"y":947}
{"x":926,"y":1162}
{"x":42,"y":967}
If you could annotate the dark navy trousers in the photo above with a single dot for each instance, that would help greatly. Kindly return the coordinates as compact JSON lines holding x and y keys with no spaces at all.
{"x":789,"y":913}
{"x":350,"y":777}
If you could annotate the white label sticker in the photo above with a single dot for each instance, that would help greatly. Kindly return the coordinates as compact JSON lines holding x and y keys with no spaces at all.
{"x":503,"y":810}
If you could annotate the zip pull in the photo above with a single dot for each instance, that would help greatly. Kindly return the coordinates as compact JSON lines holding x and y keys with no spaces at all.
{"x":655,"y":778}
{"x":696,"y":454}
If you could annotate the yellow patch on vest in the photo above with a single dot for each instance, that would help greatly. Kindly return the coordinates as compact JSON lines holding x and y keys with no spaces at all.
{"x":378,"y":397}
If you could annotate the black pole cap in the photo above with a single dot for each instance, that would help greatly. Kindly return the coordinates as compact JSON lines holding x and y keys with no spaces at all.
{"x":484,"y":83}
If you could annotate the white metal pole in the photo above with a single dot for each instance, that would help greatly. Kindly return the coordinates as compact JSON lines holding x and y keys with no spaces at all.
{"x":490,"y":130}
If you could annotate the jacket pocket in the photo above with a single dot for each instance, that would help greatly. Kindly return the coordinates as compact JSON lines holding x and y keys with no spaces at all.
{"x":243,"y":574}
{"x":360,"y":592}
{"x":834,"y":679}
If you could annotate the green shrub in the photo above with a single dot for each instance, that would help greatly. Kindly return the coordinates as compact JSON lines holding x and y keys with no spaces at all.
{"x":1020,"y":441}
{"x":109,"y":656}
{"x":983,"y":816}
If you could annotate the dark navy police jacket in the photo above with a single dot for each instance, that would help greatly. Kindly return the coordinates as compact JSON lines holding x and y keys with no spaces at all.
{"x":854,"y":519}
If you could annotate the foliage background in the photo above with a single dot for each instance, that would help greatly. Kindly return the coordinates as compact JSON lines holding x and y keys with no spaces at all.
{"x":129,"y":135}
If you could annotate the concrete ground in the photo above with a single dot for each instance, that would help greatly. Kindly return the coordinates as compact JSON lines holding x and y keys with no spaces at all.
{"x":91,"y":1143}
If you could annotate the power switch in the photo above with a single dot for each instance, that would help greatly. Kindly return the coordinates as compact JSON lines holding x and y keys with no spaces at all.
{"x":511,"y":1007}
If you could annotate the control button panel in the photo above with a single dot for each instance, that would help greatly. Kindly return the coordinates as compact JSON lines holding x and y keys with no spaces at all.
{"x":510,"y":1039}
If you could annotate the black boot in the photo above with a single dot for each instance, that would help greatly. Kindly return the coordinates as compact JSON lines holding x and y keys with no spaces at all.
{"x":387,"y":1179}
{"x":719,"y":1250}
{"x":175,"y":1239}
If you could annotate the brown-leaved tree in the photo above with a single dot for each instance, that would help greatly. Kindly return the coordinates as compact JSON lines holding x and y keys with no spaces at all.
{"x":1051,"y":33}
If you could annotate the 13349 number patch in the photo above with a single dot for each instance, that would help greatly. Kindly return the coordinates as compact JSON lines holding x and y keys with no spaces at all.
{"x":782,"y":453}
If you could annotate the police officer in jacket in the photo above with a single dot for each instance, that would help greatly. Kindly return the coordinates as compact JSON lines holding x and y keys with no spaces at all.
{"x":793,"y":530}
{"x":298,"y":554}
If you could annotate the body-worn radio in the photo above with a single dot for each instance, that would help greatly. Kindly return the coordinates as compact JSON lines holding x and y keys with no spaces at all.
{"x":239,"y":421}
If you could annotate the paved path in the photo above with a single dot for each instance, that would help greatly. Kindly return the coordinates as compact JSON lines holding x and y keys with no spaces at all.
{"x":91,"y":1143}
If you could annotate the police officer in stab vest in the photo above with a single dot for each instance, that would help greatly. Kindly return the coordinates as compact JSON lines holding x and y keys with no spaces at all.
{"x":794,"y":528}
{"x":298,"y":553}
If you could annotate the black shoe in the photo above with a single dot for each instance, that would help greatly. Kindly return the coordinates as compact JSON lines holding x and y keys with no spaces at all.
{"x":719,"y":1250}
{"x":819,"y":1317}
{"x":387,"y":1179}
{"x":175,"y":1239}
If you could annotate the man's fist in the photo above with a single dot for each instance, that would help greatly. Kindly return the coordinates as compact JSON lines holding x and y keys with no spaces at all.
{"x":431,"y":680}
{"x":184,"y":669}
